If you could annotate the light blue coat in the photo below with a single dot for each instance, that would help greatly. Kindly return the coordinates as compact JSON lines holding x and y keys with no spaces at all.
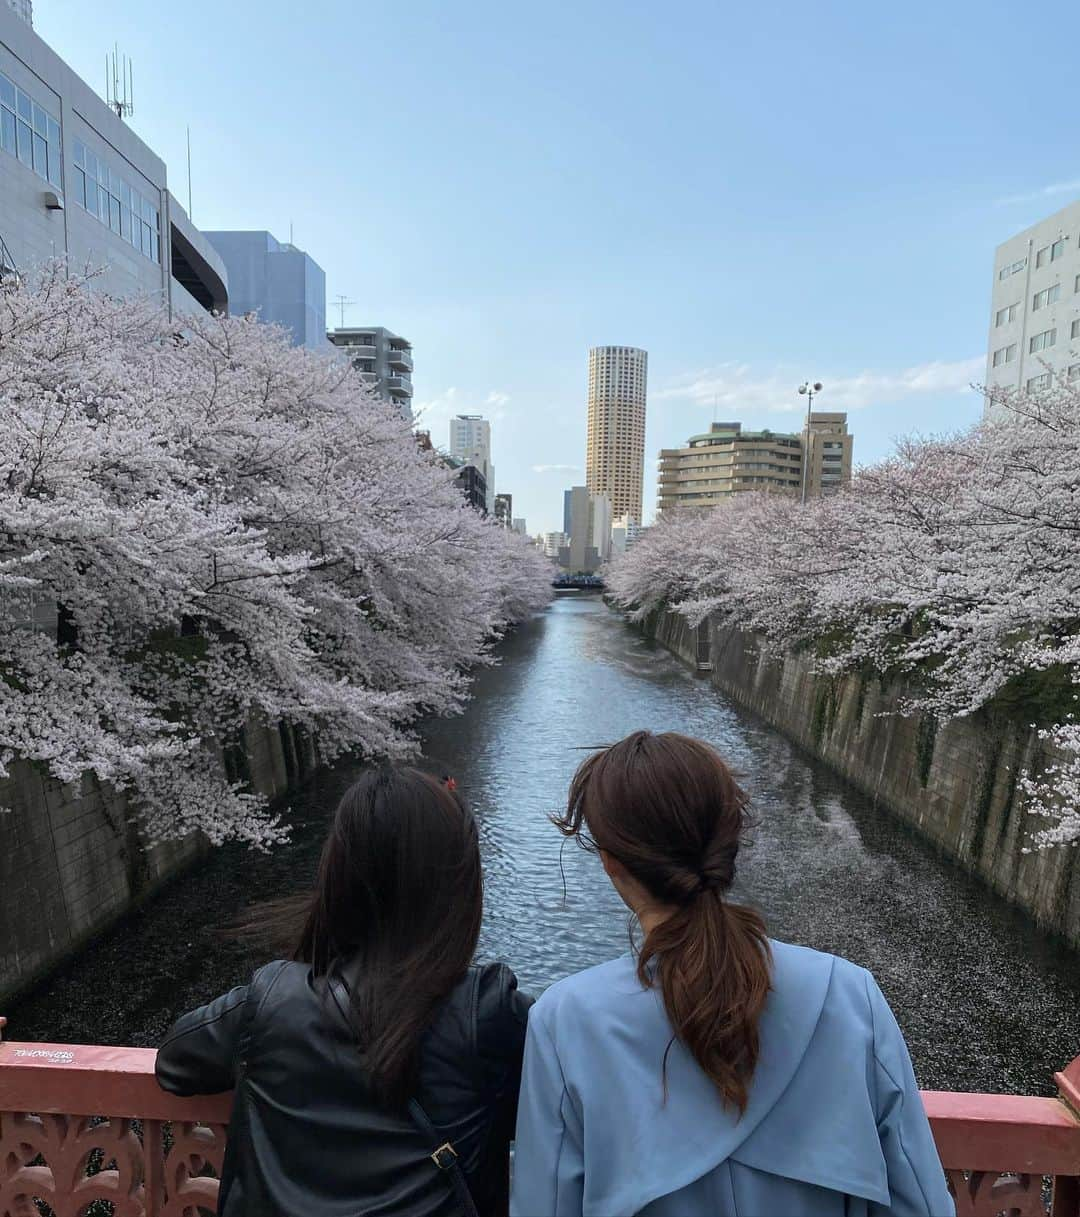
{"x":834,"y":1126}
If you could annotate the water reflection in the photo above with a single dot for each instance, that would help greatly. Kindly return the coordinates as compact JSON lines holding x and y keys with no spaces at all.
{"x":987,"y":1002}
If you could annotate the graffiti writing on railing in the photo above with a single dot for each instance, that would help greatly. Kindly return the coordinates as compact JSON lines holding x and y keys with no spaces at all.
{"x":58,"y":1056}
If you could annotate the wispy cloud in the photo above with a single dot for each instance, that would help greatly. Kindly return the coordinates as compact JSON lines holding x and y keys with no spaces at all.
{"x":494,"y":407}
{"x":735,"y":389}
{"x":1046,"y":192}
{"x":443,"y":406}
{"x":556,"y":468}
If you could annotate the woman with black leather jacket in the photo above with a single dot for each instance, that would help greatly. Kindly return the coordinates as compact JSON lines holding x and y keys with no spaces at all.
{"x":378,"y":1070}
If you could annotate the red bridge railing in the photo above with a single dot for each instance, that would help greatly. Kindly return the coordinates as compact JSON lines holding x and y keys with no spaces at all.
{"x":82,"y":1123}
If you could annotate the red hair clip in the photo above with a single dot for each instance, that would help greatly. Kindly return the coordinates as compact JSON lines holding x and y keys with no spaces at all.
{"x":450,"y":784}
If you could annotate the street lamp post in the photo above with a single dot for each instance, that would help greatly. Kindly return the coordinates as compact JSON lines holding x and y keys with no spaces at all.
{"x":809,"y":390}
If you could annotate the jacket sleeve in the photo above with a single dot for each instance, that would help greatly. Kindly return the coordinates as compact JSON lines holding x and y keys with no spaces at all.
{"x":503,"y":1015}
{"x":199,"y":1055}
{"x":917,"y":1184}
{"x":549,"y":1165}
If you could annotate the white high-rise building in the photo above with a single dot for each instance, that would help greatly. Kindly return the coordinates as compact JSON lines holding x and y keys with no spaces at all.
{"x":615,"y":441}
{"x":24,"y":8}
{"x":624,"y":533}
{"x":1035,"y":306}
{"x":470,"y":441}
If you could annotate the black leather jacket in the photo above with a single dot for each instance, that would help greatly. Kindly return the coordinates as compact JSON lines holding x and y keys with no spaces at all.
{"x":305,"y":1137}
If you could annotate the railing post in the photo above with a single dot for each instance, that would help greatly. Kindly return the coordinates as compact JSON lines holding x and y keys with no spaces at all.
{"x":1065,"y":1196}
{"x":153,"y":1167}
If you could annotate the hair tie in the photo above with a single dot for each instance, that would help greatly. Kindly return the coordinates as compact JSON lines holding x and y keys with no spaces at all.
{"x":449,"y":783}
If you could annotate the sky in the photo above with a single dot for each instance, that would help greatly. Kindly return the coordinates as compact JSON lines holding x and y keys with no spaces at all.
{"x":755,"y":194}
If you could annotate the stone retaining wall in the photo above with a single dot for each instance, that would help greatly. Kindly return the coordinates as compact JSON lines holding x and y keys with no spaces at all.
{"x":955,"y":782}
{"x":71,"y":863}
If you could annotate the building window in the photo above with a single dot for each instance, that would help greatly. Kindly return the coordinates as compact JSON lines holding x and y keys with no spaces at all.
{"x":1013,"y":268}
{"x":1037,"y":383}
{"x":1050,"y":253}
{"x":1074,"y":372}
{"x":1004,"y":355}
{"x":1075,"y":331}
{"x":1041,"y":341}
{"x":1004,"y":315}
{"x":1047,"y":296}
{"x":29,"y":132}
{"x":116,"y":203}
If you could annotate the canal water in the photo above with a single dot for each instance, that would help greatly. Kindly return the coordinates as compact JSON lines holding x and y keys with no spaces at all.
{"x":986,"y":1001}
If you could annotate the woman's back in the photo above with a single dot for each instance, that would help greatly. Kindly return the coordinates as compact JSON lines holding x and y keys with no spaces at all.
{"x":379,"y":1043}
{"x":715,"y":1074}
{"x":308,"y":1137}
{"x":833,"y":1122}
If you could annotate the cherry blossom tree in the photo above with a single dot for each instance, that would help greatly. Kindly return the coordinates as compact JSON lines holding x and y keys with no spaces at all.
{"x":232,"y":530}
{"x":955,"y":562}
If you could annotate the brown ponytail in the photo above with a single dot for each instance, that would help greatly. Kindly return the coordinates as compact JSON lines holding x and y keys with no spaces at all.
{"x":670,"y":811}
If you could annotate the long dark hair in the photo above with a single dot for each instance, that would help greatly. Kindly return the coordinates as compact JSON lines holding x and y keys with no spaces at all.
{"x":399,"y":896}
{"x":669,"y":809}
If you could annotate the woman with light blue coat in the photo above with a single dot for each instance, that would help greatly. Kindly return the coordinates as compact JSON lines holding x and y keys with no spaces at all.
{"x":716,"y":1073}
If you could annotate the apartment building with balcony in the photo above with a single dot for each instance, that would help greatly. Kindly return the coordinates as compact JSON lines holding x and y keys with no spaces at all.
{"x":383,"y":358}
{"x":727,"y":460}
{"x":76,"y":182}
{"x":1035,"y":307}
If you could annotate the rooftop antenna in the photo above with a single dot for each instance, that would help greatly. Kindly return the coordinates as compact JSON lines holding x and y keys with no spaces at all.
{"x":341,"y":303}
{"x":119,"y":83}
{"x":189,"y":174}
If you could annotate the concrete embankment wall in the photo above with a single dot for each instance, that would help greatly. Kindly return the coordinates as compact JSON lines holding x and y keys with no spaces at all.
{"x":72,"y":861}
{"x":955,"y":781}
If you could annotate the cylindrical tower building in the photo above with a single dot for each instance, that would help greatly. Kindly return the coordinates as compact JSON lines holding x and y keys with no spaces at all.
{"x":615,"y":443}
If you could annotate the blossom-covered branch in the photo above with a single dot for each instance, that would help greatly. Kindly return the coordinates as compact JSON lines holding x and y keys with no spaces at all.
{"x":227,"y":529}
{"x":955,"y":562}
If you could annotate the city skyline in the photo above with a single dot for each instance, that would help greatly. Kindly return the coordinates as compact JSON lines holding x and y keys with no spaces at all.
{"x":748,"y":235}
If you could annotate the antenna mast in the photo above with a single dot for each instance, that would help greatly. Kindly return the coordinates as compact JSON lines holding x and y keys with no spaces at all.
{"x":189,"y":174}
{"x":119,"y":83}
{"x":341,"y":303}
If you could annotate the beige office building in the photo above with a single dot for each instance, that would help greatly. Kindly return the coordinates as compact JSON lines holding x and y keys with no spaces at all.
{"x":827,"y":453}
{"x":615,"y":442}
{"x":727,"y":460}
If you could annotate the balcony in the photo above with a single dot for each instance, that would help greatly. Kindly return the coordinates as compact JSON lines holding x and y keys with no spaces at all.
{"x":400,"y":386}
{"x":61,"y":1102}
{"x":399,"y":359}
{"x":358,"y":350}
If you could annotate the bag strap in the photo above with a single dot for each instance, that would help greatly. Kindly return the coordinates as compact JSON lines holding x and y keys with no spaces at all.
{"x":446,"y":1159}
{"x":445,"y":1156}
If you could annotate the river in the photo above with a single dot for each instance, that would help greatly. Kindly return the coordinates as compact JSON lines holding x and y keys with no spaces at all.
{"x":986,"y":1001}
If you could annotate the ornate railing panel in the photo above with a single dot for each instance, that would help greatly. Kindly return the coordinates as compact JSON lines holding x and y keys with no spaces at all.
{"x":80,"y":1124}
